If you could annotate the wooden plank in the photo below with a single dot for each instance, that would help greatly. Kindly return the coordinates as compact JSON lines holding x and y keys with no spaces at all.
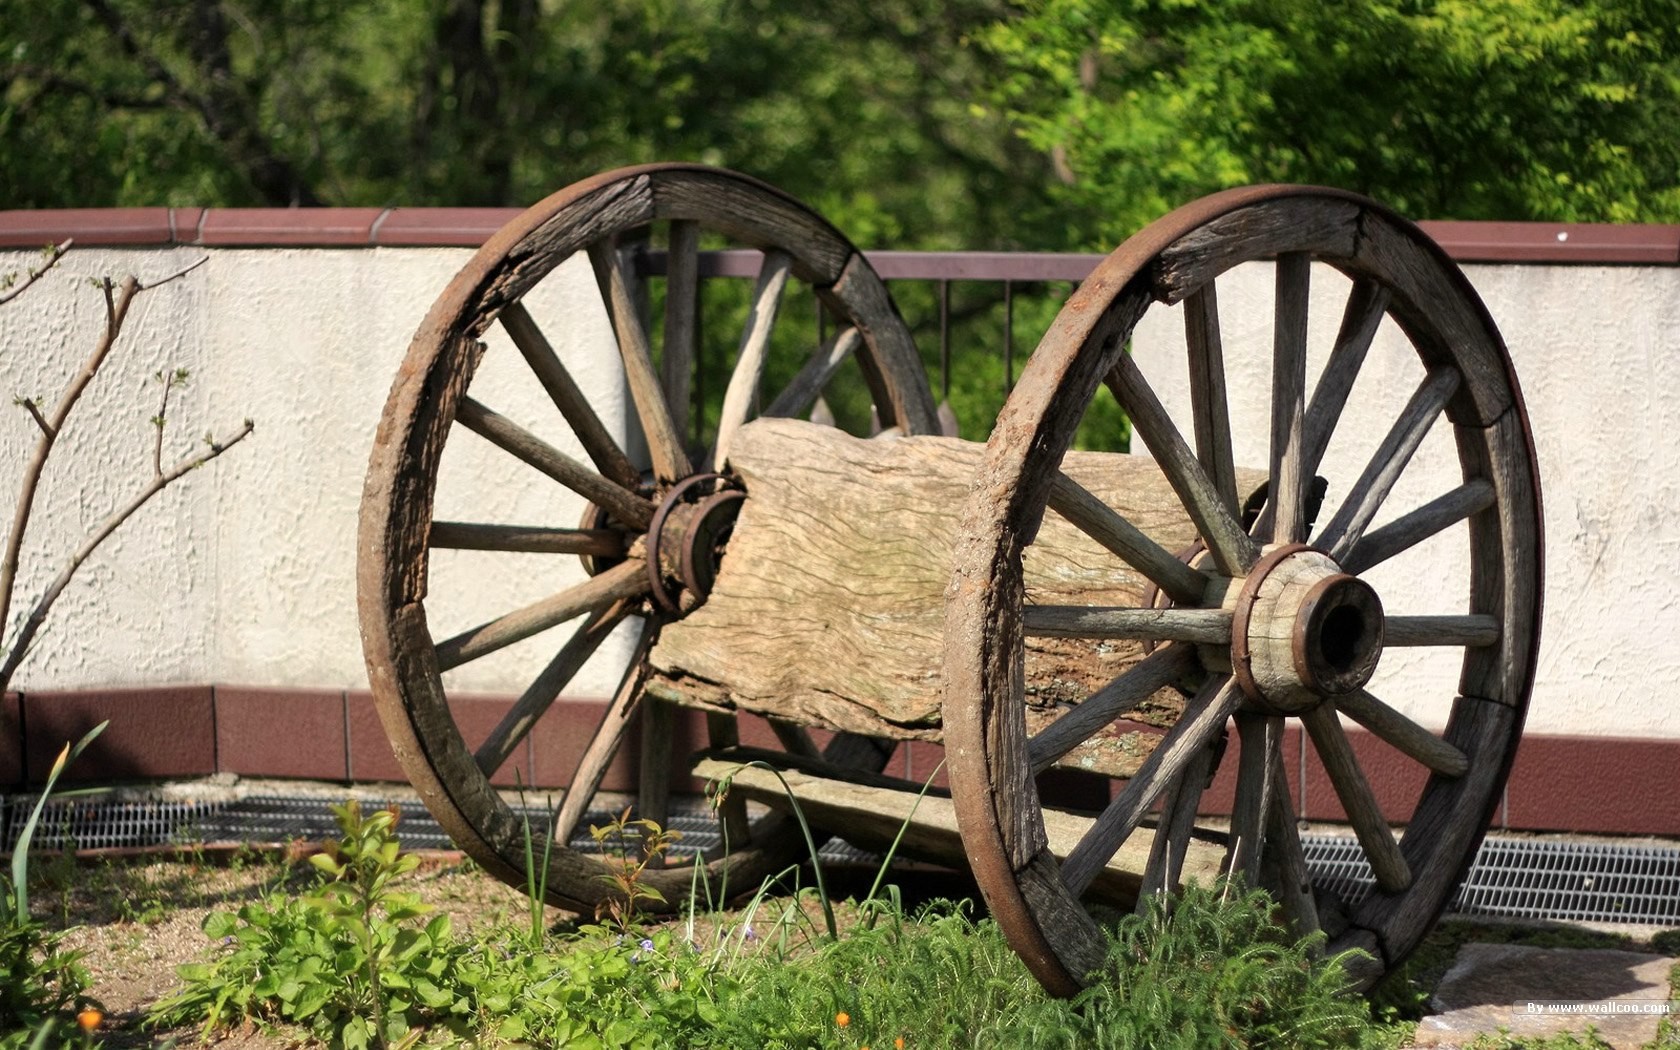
{"x":1209,"y":402}
{"x":682,"y":303}
{"x":1474,"y":629}
{"x":579,"y":414}
{"x":859,"y":294}
{"x":1207,"y":626}
{"x":622,"y":504}
{"x":1100,"y":521}
{"x":653,"y":778}
{"x":540,"y":695}
{"x":1231,"y":547}
{"x":805,"y":389}
{"x":1412,"y":528}
{"x":1403,"y":734}
{"x":625,"y":580}
{"x":1289,"y":394}
{"x":1288,"y":224}
{"x":754,"y":213}
{"x":741,"y":396}
{"x":1387,"y":463}
{"x":527,"y":539}
{"x":1506,"y":564}
{"x":1388,"y":866}
{"x":665,"y":443}
{"x":1203,"y":717}
{"x":870,"y":817}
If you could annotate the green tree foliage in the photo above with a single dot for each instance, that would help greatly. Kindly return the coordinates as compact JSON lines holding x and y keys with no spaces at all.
{"x":1471,"y":109}
{"x":862,"y":107}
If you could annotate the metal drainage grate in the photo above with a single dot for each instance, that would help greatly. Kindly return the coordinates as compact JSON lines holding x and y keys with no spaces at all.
{"x":111,"y":824}
{"x":1533,"y":879}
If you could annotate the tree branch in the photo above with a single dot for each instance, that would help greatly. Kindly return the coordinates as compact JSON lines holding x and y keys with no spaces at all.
{"x":54,"y":254}
{"x":116,"y":309}
{"x":159,"y":482}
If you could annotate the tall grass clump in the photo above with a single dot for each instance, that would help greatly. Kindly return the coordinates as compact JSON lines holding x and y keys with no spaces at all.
{"x":1218,"y":971}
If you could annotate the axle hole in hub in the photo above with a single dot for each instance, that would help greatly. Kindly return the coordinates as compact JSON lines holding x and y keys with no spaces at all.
{"x":1339,"y":644}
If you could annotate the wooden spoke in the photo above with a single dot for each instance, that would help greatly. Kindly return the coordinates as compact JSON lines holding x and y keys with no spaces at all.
{"x":1405,"y":532}
{"x":1100,"y":522}
{"x":603,"y":451}
{"x":1203,"y":716}
{"x":1375,"y":836}
{"x":1284,"y":868}
{"x":622,"y":504}
{"x":1161,"y":668}
{"x":527,"y":539}
{"x":1289,"y":385}
{"x":1388,"y":462}
{"x":682,"y":297}
{"x":1473,"y":629}
{"x":797,"y":398}
{"x":739,"y":398}
{"x":1208,"y":626}
{"x":670,"y":461}
{"x":1233,"y":551}
{"x":1165,"y":867}
{"x":541,"y":694}
{"x":1257,"y":768}
{"x":1364,"y":312}
{"x":1208,"y":401}
{"x":1405,"y":735}
{"x":625,"y":580}
{"x":603,"y":745}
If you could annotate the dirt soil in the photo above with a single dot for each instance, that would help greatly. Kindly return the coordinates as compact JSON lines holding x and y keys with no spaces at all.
{"x":139,"y":918}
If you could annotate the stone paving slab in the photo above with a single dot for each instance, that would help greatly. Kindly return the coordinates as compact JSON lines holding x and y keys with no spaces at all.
{"x":1512,"y":988}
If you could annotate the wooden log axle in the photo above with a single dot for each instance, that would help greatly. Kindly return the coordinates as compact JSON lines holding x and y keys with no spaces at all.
{"x":828,"y":608}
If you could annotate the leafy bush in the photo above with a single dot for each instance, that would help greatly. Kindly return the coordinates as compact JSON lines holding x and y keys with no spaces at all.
{"x":348,"y":961}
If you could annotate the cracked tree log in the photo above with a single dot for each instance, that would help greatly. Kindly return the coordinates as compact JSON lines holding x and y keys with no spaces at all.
{"x":828,"y":608}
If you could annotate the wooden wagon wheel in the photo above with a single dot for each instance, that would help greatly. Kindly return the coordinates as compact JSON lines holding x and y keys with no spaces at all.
{"x":651,"y":530}
{"x":1279,"y":621}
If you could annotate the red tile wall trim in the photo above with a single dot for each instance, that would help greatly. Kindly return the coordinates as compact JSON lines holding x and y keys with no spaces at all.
{"x":1494,"y":242}
{"x":1585,"y":784}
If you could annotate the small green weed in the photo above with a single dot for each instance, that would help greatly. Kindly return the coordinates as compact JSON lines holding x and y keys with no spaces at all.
{"x":630,"y":846}
{"x":41,"y":984}
{"x":348,"y":961}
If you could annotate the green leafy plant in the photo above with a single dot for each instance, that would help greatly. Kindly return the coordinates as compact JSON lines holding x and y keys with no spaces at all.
{"x":348,"y":960}
{"x":39,"y":980}
{"x":630,"y":846}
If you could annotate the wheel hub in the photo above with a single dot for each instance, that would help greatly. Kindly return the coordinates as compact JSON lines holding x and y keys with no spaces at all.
{"x":686,"y":540}
{"x":1303,"y":631}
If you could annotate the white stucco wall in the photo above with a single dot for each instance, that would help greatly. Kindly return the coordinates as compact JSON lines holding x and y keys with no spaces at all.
{"x":244,"y":572}
{"x":1597,"y":353}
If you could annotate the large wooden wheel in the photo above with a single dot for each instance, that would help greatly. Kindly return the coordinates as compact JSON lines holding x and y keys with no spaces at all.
{"x":1282,"y":618}
{"x":532,"y":535}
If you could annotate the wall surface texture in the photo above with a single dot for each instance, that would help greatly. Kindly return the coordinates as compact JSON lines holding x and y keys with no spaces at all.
{"x":236,"y":588}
